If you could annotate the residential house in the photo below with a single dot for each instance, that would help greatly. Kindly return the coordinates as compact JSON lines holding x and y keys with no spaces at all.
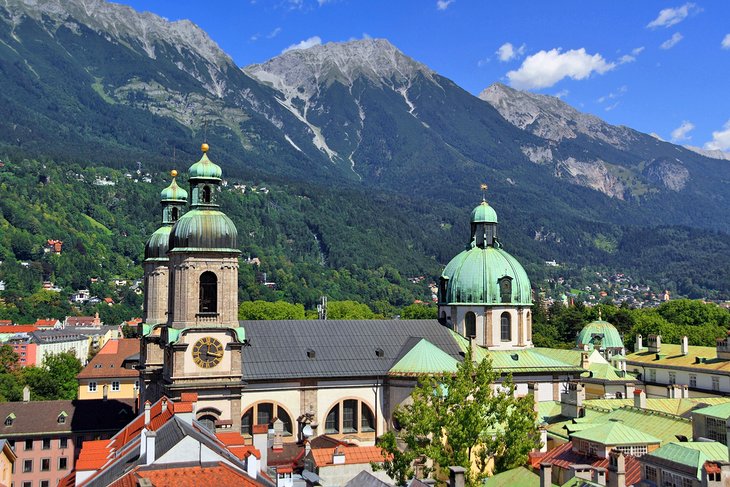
{"x":83,"y":321}
{"x":337,"y":466}
{"x":48,"y":323}
{"x":46,"y":435}
{"x":58,"y":341}
{"x":112,"y":372}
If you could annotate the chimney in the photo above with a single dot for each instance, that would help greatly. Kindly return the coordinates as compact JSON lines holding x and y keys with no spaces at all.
{"x":338,"y":456}
{"x":584,"y":362}
{"x":684,"y":347}
{"x":278,"y":435}
{"x":261,"y":443}
{"x":147,"y":407}
{"x":543,"y":438}
{"x":150,"y":448}
{"x":639,"y":399}
{"x":655,"y":343}
{"x":599,"y":476}
{"x":105,"y":391}
{"x":26,"y":394}
{"x":571,"y":401}
{"x":546,"y":475}
{"x":617,"y":467}
{"x":639,"y":344}
{"x":97,"y":321}
{"x":457,"y":477}
{"x":685,"y":391}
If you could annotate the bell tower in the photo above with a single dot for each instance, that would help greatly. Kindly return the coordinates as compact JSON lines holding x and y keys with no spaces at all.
{"x":156,"y":284}
{"x":202,"y":340}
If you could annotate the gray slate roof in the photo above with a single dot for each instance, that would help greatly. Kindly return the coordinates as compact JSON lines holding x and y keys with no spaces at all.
{"x":366,"y":479}
{"x":342,"y":348}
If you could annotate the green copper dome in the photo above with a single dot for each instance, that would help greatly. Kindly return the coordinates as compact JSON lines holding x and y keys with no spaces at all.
{"x":486,"y":275}
{"x":156,"y":247}
{"x":484,"y":214}
{"x":599,"y":332}
{"x":205,"y":169}
{"x":174,"y":193}
{"x":204,"y":229}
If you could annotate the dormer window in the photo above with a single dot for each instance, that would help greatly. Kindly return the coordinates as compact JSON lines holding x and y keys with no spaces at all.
{"x":311,"y":353}
{"x":9,"y":419}
{"x":505,"y":289}
{"x":379,"y":353}
{"x":62,"y":417}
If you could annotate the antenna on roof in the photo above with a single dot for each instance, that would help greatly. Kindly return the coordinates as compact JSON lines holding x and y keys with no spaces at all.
{"x":205,"y":131}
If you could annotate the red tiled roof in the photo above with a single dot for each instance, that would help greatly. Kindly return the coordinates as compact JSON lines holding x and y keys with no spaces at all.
{"x":221,"y":475}
{"x":46,"y":322}
{"x":563,"y":456}
{"x":260,"y":429}
{"x":243,"y":451}
{"x":110,"y":360}
{"x":189,"y":397}
{"x":183,"y":407}
{"x":18,"y":329}
{"x":353,"y":455}
{"x":6,"y":322}
{"x":230,"y":439}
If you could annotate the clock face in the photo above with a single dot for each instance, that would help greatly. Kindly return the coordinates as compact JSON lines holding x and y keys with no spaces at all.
{"x":207,"y":352}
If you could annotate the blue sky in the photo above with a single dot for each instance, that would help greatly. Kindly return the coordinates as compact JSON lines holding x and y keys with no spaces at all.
{"x":658,"y":67}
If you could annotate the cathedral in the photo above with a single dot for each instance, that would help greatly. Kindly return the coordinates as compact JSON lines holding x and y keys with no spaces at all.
{"x":342,"y":378}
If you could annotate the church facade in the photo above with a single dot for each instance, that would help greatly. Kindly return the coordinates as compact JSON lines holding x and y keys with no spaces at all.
{"x":340,"y":378}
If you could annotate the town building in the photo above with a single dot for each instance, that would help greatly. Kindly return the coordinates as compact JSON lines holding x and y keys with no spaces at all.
{"x":680,"y":463}
{"x":46,"y":436}
{"x":112,"y":373}
{"x":602,"y":336}
{"x":7,"y":463}
{"x":703,"y":370}
{"x":165,"y":445}
{"x":51,"y":342}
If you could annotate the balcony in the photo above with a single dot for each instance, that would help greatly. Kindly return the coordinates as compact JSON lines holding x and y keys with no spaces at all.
{"x":207,"y":318}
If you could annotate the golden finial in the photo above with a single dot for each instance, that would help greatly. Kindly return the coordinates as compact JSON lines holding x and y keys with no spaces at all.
{"x":204,"y":147}
{"x":173,"y":173}
{"x":484,"y":191}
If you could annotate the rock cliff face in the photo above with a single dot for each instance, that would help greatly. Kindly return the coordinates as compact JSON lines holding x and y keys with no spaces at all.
{"x":584,"y":149}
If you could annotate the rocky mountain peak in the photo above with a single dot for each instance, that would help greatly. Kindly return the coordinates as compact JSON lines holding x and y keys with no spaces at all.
{"x":551,"y":118}
{"x":299,"y":72}
{"x":123,"y":23}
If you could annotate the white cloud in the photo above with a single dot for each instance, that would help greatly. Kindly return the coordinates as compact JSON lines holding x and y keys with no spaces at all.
{"x":720,"y":139}
{"x":630,"y":58}
{"x":561,"y":94}
{"x":681,"y":133}
{"x":672,"y":16}
{"x":255,"y":37}
{"x":611,"y":107}
{"x":545,"y":68}
{"x":672,"y":41}
{"x":443,"y":4}
{"x":305,"y":44}
{"x":483,"y":62}
{"x":274,"y":33}
{"x":621,"y":91}
{"x":726,"y":42}
{"x":507,"y":52}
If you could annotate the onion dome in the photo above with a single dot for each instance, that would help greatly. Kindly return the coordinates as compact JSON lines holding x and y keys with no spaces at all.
{"x":204,"y":229}
{"x":599,"y":334}
{"x":174,"y":192}
{"x":157,"y":246}
{"x":205,"y":168}
{"x":484,"y":214}
{"x":486,"y":275}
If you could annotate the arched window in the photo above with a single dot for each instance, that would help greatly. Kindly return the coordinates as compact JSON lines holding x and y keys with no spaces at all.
{"x":175,"y":214}
{"x":470,"y":320}
{"x":265,"y":413}
{"x":208,"y":422}
{"x":350,"y":416}
{"x":206,"y":194}
{"x":506,"y":326}
{"x":208,"y":292}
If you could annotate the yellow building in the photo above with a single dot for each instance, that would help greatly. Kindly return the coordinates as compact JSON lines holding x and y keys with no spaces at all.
{"x":7,"y":458}
{"x":111,"y":374}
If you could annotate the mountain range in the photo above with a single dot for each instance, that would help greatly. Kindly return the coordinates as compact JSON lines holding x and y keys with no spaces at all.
{"x":100,"y":84}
